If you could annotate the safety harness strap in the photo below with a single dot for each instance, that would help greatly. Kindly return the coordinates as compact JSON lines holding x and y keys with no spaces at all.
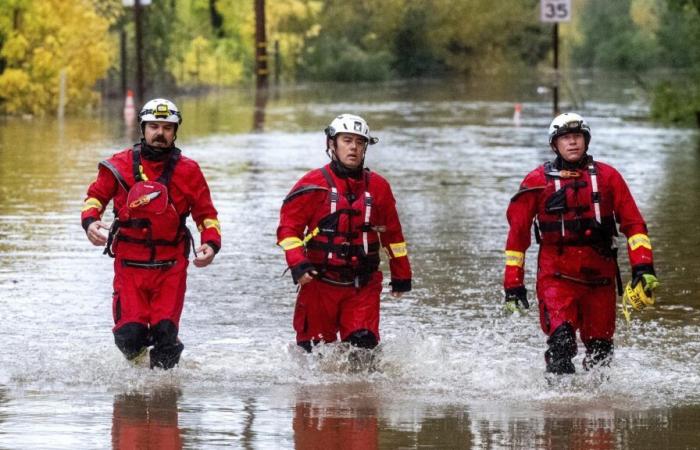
{"x":157,"y":264}
{"x":366,"y":226}
{"x":343,"y":250}
{"x":167,"y":173}
{"x":303,"y":190}
{"x":595,"y":195}
{"x":120,"y":179}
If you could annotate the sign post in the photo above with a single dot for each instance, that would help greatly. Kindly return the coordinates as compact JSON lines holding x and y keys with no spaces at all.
{"x":555,"y":11}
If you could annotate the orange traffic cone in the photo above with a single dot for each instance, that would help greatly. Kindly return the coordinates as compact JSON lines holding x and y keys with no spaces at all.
{"x":129,"y":110}
{"x":516,"y":114}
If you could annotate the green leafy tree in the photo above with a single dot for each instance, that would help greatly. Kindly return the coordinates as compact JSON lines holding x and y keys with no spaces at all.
{"x":612,"y":39}
{"x":677,"y":99}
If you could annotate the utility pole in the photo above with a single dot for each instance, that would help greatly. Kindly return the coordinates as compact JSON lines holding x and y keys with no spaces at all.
{"x":261,"y":71}
{"x":139,"y":53}
{"x":122,"y":54}
{"x":278,"y":62}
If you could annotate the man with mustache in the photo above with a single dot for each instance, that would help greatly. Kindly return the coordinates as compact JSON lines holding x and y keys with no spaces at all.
{"x":154,"y":189}
{"x":332,"y":225}
{"x":574,"y":204}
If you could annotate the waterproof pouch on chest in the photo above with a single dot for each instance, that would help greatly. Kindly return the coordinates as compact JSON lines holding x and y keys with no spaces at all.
{"x":149,"y":226}
{"x":147,"y":198}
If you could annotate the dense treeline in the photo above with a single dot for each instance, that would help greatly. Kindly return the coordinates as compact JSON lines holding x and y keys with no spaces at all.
{"x":642,"y":35}
{"x":192,"y":44}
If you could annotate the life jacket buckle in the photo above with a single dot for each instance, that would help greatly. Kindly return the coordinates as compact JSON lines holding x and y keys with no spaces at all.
{"x":344,"y":249}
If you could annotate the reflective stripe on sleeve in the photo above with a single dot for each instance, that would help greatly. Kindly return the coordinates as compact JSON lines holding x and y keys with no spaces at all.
{"x":290,"y":243}
{"x":210,"y":223}
{"x":90,"y":203}
{"x":398,"y":249}
{"x":514,"y":258}
{"x":639,"y":240}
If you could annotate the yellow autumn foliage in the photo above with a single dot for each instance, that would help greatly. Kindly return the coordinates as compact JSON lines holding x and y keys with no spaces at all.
{"x":51,"y":36}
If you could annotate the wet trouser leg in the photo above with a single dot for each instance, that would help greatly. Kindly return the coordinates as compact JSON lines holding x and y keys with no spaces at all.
{"x":599,"y":353}
{"x":131,"y":338}
{"x":166,"y":346}
{"x":562,"y":347}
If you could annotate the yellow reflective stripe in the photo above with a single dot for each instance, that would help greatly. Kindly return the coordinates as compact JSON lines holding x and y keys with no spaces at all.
{"x":210,"y":223}
{"x":639,"y":240}
{"x":92,"y":202}
{"x":290,"y":243}
{"x":311,"y":235}
{"x":398,"y":249}
{"x":514,"y":258}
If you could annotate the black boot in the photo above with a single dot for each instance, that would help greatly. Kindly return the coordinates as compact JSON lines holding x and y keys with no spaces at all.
{"x":562,"y":347}
{"x":167,"y":347}
{"x":599,"y":353}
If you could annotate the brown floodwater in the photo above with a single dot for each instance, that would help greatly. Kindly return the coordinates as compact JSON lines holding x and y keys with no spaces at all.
{"x":452,"y":372}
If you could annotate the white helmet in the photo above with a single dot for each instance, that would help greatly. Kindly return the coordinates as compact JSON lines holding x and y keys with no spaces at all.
{"x":160,"y":109}
{"x":350,"y":123}
{"x":569,"y":123}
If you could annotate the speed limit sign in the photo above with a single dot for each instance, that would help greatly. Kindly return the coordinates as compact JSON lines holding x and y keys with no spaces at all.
{"x":555,"y":10}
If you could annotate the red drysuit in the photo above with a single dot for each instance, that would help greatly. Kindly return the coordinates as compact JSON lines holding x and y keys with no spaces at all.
{"x":151,"y":245}
{"x":336,"y":225}
{"x":577,"y":264}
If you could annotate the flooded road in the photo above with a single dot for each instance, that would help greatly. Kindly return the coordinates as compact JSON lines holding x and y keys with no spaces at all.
{"x":454,"y":372}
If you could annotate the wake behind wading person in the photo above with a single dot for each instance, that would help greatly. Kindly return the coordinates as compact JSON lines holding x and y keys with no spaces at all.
{"x":574,"y":205}
{"x":332,"y":225}
{"x":153,"y":188}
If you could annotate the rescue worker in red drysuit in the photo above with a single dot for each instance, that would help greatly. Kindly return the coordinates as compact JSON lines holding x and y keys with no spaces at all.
{"x":154,"y":188}
{"x":332,"y":225}
{"x":575,"y":203}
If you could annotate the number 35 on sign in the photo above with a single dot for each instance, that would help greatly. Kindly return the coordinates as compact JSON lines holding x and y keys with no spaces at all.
{"x":555,"y":10}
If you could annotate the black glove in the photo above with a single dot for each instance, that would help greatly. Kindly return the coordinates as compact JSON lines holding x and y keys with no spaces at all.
{"x":515,"y":298}
{"x":644,"y":273}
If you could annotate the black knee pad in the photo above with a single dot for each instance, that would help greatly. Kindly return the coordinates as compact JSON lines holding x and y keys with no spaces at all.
{"x":362,"y":339}
{"x":166,"y":346}
{"x":164,"y":332}
{"x":599,"y":352}
{"x":131,"y":338}
{"x":562,"y":347}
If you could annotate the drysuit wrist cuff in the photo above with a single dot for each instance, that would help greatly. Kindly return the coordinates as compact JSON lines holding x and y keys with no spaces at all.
{"x":516,"y":291}
{"x":214,"y":246}
{"x":87,"y":222}
{"x":641,"y":269}
{"x":300,"y":269}
{"x":400,"y":285}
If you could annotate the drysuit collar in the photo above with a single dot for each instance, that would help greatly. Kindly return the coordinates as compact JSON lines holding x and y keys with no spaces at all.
{"x":343,"y":171}
{"x":560,"y":163}
{"x":155,"y":154}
